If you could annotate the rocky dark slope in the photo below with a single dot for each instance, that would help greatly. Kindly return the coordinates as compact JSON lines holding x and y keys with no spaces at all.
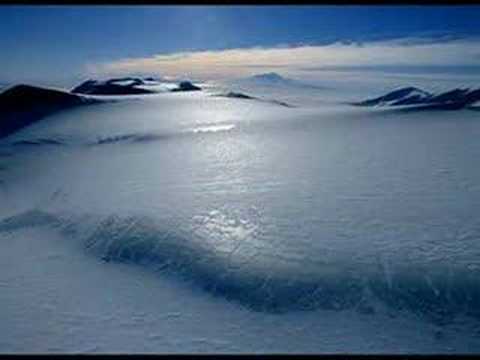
{"x":119,"y":86}
{"x":239,"y":95}
{"x":420,"y":99}
{"x":186,"y":86}
{"x":23,"y":105}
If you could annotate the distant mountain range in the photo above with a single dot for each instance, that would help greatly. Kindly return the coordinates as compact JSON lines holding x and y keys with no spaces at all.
{"x":23,"y":105}
{"x":273,"y":79}
{"x":420,"y":99}
{"x":127,"y":86}
{"x":119,"y":86}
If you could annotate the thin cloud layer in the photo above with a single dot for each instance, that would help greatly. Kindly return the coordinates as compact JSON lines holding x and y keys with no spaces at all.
{"x":231,"y":63}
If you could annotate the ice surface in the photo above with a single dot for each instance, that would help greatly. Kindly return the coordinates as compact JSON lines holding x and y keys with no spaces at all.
{"x":182,"y":222}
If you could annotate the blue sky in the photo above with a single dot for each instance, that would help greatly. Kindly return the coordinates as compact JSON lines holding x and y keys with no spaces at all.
{"x":62,"y":43}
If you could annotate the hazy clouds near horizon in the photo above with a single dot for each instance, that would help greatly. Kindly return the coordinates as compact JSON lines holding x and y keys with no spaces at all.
{"x":227,"y":42}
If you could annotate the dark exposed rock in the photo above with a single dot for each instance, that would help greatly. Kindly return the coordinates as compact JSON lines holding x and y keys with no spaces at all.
{"x":23,"y":105}
{"x":119,"y":86}
{"x":281,"y":103}
{"x":455,"y":95}
{"x":238,"y":95}
{"x":422,"y":100}
{"x":186,"y":86}
{"x":404,"y":96}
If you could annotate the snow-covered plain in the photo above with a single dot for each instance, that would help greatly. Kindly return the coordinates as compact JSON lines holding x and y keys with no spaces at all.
{"x":188,"y":222}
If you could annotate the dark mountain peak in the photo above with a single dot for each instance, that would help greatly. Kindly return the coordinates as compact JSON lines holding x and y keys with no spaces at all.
{"x":115,"y":86}
{"x":186,"y":86}
{"x":450,"y":100}
{"x":452,"y":95}
{"x":237,"y":95}
{"x":403,"y":92}
{"x":22,"y":105}
{"x":403,"y":96}
{"x":28,"y":95}
{"x":271,"y":76}
{"x":274,"y":79}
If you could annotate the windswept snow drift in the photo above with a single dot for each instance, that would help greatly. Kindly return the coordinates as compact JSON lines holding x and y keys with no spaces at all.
{"x":279,"y":286}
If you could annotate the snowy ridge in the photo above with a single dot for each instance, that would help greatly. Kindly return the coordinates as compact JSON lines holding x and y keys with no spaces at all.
{"x":411,"y":96}
{"x":131,"y":86}
{"x":143,"y":241}
{"x":239,"y":95}
{"x":119,"y":86}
